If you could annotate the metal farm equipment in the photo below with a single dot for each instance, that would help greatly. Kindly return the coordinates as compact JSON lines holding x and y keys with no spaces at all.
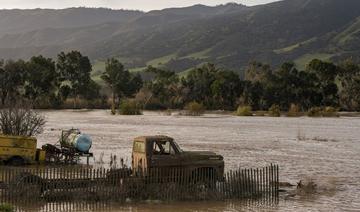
{"x":71,"y":146}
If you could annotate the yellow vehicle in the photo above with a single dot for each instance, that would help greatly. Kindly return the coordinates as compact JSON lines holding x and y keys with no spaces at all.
{"x":18,"y":150}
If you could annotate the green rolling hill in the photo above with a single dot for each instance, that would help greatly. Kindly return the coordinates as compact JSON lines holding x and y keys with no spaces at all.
{"x":178,"y":39}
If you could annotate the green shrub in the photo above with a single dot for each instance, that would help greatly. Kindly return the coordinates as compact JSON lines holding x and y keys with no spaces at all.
{"x":129,"y":107}
{"x":244,"y":111}
{"x":194,"y":109}
{"x":330,"y":112}
{"x":315,"y":112}
{"x":274,"y":111}
{"x":6,"y":208}
{"x":294,"y":111}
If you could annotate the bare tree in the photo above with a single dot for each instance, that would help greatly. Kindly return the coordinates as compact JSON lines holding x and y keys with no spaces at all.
{"x":21,"y":121}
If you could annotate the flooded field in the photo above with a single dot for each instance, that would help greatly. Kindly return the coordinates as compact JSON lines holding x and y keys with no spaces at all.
{"x":326,"y":150}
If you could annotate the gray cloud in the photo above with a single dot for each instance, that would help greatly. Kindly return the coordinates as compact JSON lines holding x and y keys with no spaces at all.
{"x":118,"y":4}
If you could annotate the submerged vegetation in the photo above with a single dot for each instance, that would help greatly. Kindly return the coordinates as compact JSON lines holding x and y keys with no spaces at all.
{"x":66,"y":83}
{"x":274,"y":111}
{"x":194,"y":109}
{"x":244,"y":111}
{"x":294,"y":111}
{"x":129,"y":107}
{"x":6,"y":208}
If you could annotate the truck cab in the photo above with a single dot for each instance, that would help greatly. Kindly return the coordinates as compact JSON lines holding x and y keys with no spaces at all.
{"x":19,"y":150}
{"x":163,"y":152}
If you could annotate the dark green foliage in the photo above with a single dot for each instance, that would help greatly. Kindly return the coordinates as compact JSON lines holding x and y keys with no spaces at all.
{"x":165,"y":87}
{"x":322,"y":84}
{"x":42,"y":79}
{"x":349,"y":78}
{"x":289,"y":85}
{"x":75,"y":68}
{"x":214,"y":87}
{"x":46,"y":84}
{"x":282,"y":87}
{"x":121,"y":82}
{"x":326,"y":72}
{"x":12,"y":77}
{"x":253,"y":94}
{"x":225,"y":89}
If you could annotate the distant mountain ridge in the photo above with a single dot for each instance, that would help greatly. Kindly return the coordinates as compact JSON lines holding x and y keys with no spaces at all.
{"x":179,"y":38}
{"x":19,"y":21}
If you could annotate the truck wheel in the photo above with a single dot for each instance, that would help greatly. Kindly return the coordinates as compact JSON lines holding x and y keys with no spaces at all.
{"x":16,"y":161}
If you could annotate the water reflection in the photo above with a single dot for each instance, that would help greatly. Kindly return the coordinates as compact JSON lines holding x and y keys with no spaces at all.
{"x":246,"y":205}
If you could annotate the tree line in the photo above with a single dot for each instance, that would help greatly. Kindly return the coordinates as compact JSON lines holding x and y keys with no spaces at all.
{"x":48,"y":83}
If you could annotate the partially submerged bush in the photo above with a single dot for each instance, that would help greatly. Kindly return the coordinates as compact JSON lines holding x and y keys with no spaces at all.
{"x":323,"y":112}
{"x":274,"y":111}
{"x":194,"y":109}
{"x":6,"y":208}
{"x":244,"y":111}
{"x":306,"y":187}
{"x":130,"y":107}
{"x":167,"y":112}
{"x":315,"y":112}
{"x":330,"y":112}
{"x":294,"y":111}
{"x":113,"y":109}
{"x":260,"y":113}
{"x":19,"y":121}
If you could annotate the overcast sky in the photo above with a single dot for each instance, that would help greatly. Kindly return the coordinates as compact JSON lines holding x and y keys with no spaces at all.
{"x":145,"y":5}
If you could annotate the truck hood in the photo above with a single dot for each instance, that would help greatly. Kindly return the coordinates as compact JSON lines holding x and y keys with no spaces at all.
{"x":203,"y":154}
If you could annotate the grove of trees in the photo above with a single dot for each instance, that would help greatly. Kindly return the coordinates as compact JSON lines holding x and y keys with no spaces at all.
{"x":48,"y":83}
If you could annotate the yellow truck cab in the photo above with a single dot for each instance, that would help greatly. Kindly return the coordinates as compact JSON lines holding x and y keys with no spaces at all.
{"x":18,"y":150}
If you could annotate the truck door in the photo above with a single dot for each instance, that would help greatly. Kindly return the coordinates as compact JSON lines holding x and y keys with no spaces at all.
{"x":139,"y":159}
{"x":164,"y":155}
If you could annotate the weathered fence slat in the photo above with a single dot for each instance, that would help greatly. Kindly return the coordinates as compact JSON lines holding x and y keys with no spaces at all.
{"x":64,"y":184}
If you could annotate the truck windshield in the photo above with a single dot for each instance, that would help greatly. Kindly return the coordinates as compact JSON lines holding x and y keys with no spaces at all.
{"x":178,"y":147}
{"x":165,"y":148}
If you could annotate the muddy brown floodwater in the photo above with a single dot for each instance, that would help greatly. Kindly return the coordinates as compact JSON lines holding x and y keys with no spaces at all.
{"x":325,"y":150}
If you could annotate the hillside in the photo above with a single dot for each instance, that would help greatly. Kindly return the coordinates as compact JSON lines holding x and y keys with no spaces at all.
{"x":179,"y":38}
